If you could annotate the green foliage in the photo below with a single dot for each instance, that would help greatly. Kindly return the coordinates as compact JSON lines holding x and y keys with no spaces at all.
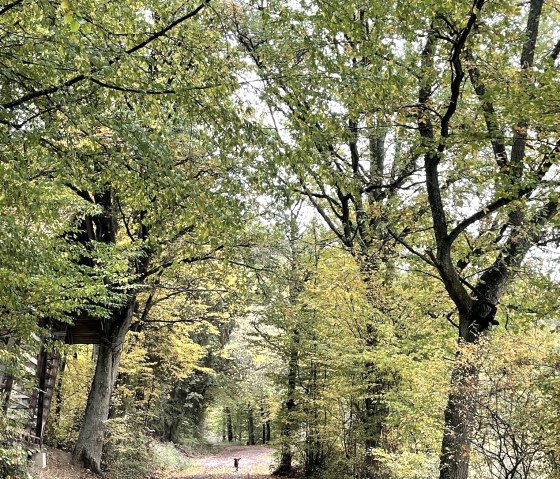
{"x":516,"y":417}
{"x":127,"y":449}
{"x":70,"y":399}
{"x":14,"y":463}
{"x":136,"y":162}
{"x":13,"y":456}
{"x":168,"y":457}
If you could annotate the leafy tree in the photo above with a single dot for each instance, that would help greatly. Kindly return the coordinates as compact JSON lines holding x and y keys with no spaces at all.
{"x":460,"y":136}
{"x":122,"y":147}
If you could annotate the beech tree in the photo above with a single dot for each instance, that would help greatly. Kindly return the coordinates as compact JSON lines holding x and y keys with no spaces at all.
{"x":397,"y":124}
{"x":112,"y":113}
{"x":423,"y":134}
{"x":519,"y":207}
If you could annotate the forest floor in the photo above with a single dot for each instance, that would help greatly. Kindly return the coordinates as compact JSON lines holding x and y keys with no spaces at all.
{"x":217,"y":463}
{"x":255,"y":463}
{"x":59,"y":466}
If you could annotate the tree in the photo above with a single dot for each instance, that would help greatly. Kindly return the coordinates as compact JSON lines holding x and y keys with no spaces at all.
{"x":514,"y":217}
{"x":329,"y":143}
{"x":122,"y":136}
{"x":362,"y":66}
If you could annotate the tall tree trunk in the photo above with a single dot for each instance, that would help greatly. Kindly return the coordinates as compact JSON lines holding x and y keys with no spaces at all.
{"x":239,"y":423}
{"x":229,"y":424}
{"x":376,"y":410}
{"x":314,"y":445}
{"x":265,"y":425}
{"x":461,"y":404}
{"x":285,"y":465}
{"x":41,"y":386}
{"x":263,"y":419}
{"x":88,"y":449}
{"x":250,"y":426}
{"x":456,"y":445}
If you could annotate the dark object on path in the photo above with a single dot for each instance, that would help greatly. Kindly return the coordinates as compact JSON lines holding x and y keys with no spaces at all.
{"x":236,"y":463}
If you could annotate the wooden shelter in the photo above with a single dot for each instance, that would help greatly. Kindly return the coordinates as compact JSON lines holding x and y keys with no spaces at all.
{"x":33,"y":405}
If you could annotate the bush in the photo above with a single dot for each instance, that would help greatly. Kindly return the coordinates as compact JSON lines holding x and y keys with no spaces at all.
{"x":127,"y":450}
{"x":168,"y":457}
{"x":131,"y":453}
{"x":14,"y":463}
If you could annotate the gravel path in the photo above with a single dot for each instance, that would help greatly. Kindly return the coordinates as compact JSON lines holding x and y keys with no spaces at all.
{"x":255,"y":463}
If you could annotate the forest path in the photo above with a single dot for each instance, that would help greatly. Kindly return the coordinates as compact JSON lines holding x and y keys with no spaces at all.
{"x":255,"y":463}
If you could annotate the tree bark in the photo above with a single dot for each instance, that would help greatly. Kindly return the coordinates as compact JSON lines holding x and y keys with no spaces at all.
{"x":263,"y":419}
{"x":285,"y":465}
{"x":224,"y":427}
{"x":229,"y":425}
{"x":265,"y":425}
{"x":88,"y":449}
{"x":250,"y":426}
{"x":459,"y":412}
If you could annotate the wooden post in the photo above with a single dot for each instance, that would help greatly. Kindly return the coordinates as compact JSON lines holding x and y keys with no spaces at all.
{"x":41,"y":384}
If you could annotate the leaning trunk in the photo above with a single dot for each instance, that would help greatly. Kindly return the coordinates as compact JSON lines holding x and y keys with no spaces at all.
{"x":88,"y":449}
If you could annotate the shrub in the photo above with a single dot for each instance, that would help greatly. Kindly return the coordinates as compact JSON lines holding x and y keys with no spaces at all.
{"x":14,"y":463}
{"x":127,"y":449}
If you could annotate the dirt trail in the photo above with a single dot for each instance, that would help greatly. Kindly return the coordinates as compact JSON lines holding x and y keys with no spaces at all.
{"x":255,"y":463}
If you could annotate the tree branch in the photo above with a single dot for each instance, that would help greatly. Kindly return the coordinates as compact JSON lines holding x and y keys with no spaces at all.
{"x":189,"y":260}
{"x":79,"y":78}
{"x":8,"y":7}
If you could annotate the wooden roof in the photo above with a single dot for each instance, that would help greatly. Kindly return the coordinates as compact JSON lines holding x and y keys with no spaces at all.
{"x":84,"y":331}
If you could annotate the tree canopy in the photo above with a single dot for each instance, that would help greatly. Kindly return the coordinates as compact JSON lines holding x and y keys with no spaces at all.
{"x":326,"y":227}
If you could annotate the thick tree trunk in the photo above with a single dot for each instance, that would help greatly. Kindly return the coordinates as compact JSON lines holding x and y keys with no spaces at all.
{"x":88,"y":449}
{"x":172,"y":432}
{"x":456,"y":445}
{"x":250,"y":426}
{"x":461,"y":404}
